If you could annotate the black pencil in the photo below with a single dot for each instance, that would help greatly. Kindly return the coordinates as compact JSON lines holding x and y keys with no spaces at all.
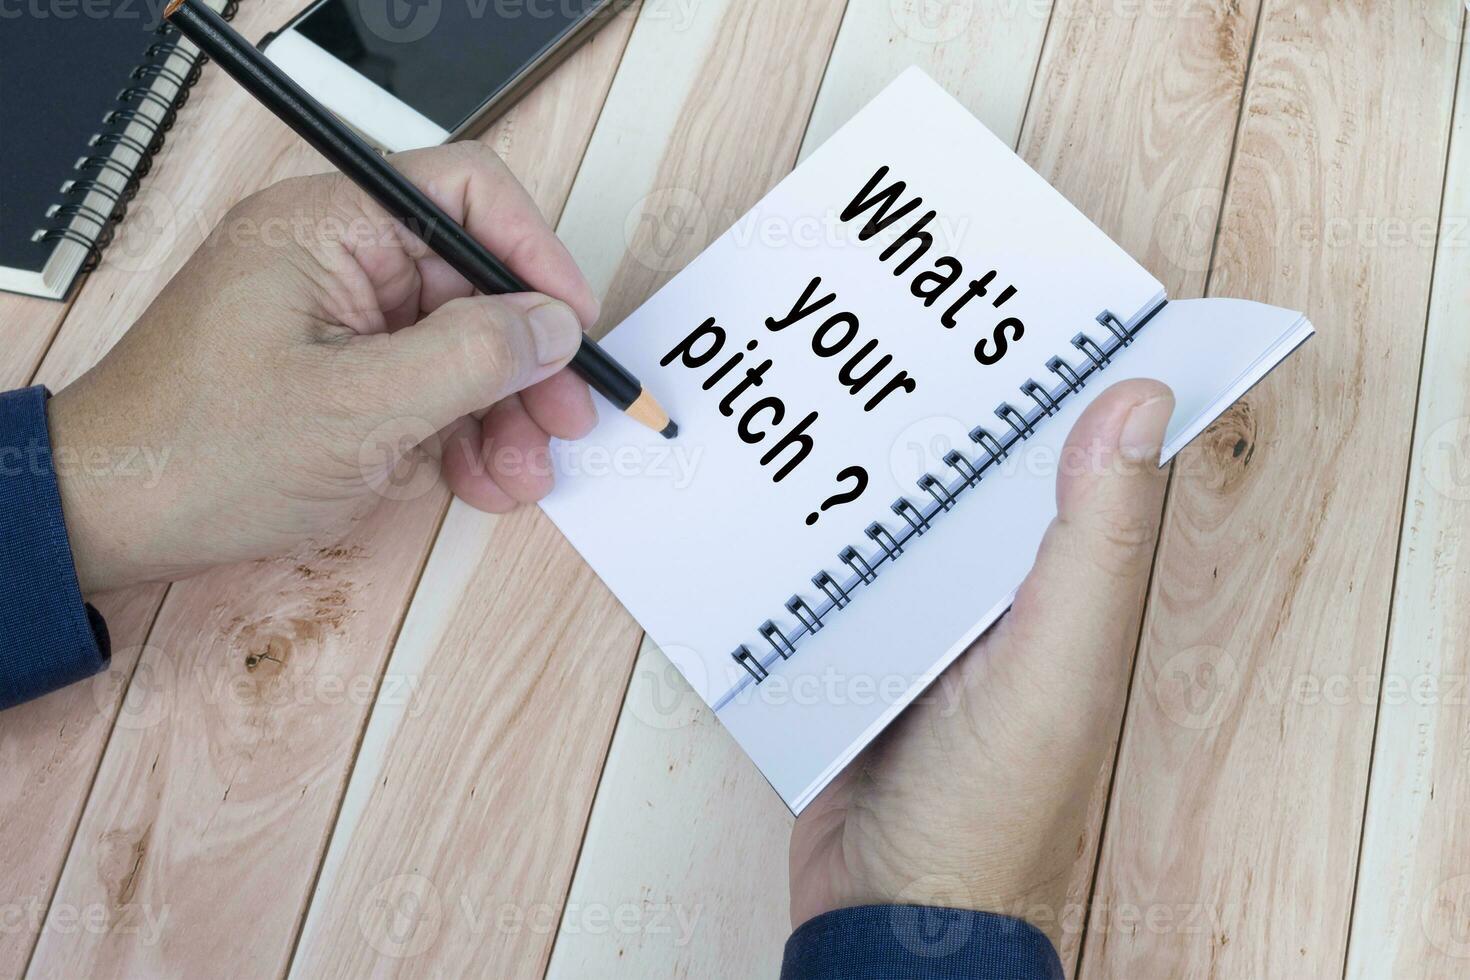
{"x":365,"y":167}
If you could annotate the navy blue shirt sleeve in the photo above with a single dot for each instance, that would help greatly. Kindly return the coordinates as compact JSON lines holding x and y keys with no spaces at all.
{"x":48,"y":636}
{"x":905,"y":942}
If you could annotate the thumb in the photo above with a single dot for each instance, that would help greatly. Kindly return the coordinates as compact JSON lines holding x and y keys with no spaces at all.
{"x":1093,"y":566}
{"x":472,"y":352}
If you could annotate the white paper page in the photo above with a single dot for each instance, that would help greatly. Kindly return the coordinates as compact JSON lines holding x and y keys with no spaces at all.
{"x":844,"y":685}
{"x":695,"y":536}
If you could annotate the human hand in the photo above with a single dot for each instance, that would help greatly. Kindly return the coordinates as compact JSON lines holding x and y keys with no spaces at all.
{"x":985,"y":805}
{"x":311,"y":349}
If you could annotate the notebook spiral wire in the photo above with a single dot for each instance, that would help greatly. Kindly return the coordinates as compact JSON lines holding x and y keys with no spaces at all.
{"x":942,"y":492}
{"x":140,"y":106}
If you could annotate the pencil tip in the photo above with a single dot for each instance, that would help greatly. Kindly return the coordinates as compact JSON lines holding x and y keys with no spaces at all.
{"x":646,"y":411}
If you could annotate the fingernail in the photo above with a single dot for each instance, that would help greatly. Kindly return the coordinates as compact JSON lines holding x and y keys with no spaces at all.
{"x":1143,"y":431}
{"x":557,"y":331}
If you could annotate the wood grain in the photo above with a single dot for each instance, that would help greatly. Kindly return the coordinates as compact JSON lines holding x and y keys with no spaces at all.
{"x":263,"y":675}
{"x":247,"y":701}
{"x":53,"y":747}
{"x":510,"y":752}
{"x":983,"y":52}
{"x":28,"y":325}
{"x":685,"y":828}
{"x":687,"y":144}
{"x":222,"y":740}
{"x":1414,"y":873}
{"x":1234,"y":826}
{"x":488,"y":765}
{"x":49,"y":752}
{"x":683,"y":868}
{"x":1142,"y":146}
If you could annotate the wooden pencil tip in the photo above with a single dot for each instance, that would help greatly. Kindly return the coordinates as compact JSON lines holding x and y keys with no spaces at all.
{"x":649,"y":412}
{"x":173,"y":5}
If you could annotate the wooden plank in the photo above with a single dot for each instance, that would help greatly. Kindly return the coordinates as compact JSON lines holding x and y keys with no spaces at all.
{"x":683,"y":869}
{"x":1141,"y":144}
{"x":1234,"y":826}
{"x":263,"y":674}
{"x":52,"y":748}
{"x":28,"y":325}
{"x":251,"y":688}
{"x":692,"y":137}
{"x":459,"y":806}
{"x":1414,"y":874}
{"x":49,"y":751}
{"x":686,"y":850}
{"x":510,"y":752}
{"x":984,"y":52}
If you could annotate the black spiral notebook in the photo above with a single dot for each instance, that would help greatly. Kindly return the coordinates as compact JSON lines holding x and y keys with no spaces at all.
{"x":89,"y":94}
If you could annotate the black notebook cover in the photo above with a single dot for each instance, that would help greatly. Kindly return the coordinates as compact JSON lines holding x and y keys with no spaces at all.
{"x":63,"y":70}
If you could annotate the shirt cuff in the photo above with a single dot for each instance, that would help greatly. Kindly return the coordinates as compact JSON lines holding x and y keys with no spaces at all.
{"x":905,"y":942}
{"x":49,"y":637}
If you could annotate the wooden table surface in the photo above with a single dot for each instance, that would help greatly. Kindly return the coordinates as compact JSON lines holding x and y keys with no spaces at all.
{"x":403,"y":756}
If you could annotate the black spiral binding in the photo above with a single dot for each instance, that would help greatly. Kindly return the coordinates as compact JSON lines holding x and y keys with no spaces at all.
{"x":918,"y":519}
{"x":72,"y":219}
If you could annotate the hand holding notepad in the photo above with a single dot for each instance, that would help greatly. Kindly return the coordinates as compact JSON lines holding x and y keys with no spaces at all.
{"x":874,"y":372}
{"x":990,"y":777}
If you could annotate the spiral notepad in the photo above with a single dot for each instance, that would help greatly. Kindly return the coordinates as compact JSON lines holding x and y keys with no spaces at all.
{"x":965,"y":470}
{"x":874,"y":372}
{"x":88,"y":99}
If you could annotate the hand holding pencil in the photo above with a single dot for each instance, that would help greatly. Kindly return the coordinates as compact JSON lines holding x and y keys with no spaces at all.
{"x":337,"y":340}
{"x":307,"y":363}
{"x":395,"y":193}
